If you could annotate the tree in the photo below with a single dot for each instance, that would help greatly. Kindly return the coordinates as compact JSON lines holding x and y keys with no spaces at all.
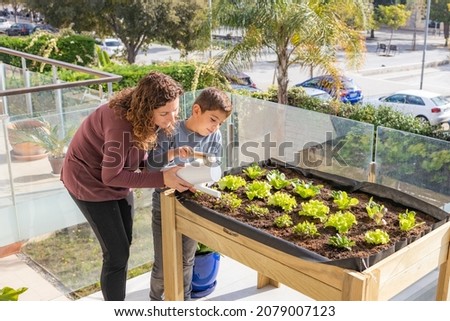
{"x":16,"y":5}
{"x":188,"y":27}
{"x":135,"y":23}
{"x":306,"y":32}
{"x":394,"y":17}
{"x":440,"y":11}
{"x":78,"y":14}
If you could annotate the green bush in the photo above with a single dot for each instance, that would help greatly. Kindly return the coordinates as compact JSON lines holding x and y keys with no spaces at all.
{"x":183,"y":72}
{"x":71,"y":48}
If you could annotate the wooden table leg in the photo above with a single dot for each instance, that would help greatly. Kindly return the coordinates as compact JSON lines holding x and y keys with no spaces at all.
{"x":442,"y":293}
{"x":172,"y":250}
{"x":265,"y":280}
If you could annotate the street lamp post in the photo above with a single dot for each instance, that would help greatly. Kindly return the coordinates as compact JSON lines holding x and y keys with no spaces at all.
{"x":427,"y":22}
{"x":210,"y":28}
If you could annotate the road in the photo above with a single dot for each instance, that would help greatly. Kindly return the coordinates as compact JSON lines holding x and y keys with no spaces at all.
{"x":379,"y":75}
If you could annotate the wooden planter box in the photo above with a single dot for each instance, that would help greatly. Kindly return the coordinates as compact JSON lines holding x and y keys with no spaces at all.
{"x":319,"y":281}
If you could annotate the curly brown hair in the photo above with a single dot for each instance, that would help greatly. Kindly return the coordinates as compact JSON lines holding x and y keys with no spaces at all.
{"x":137,"y":105}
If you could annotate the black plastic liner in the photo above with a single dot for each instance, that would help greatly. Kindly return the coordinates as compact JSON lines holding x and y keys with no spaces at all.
{"x":349,"y":185}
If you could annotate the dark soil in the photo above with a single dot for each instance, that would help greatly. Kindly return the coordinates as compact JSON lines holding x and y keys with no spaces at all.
{"x":320,"y":244}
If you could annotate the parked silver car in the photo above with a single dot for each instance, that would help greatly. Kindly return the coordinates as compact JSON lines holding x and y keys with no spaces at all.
{"x":425,"y":105}
{"x":4,"y":24}
{"x":317,"y":93}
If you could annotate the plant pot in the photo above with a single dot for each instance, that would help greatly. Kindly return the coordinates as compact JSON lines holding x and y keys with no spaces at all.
{"x":56,"y":164}
{"x":22,"y":149}
{"x":27,"y":151}
{"x":206,"y":267}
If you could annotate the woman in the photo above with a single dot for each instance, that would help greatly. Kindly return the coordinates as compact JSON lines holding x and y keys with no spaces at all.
{"x":102,"y":162}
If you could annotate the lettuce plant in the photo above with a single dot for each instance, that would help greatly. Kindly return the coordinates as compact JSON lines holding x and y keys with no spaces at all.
{"x":341,"y":242}
{"x":231,"y":182}
{"x":277,"y":179}
{"x":254,"y":171}
{"x":306,"y":190}
{"x":229,"y":200}
{"x":315,"y":209}
{"x":376,"y":212}
{"x":306,"y":228}
{"x":283,"y":221}
{"x":407,"y":221}
{"x":257,"y":210}
{"x":342,"y":222}
{"x":343,"y":201}
{"x":376,"y":237}
{"x":258,"y":189}
{"x":283,"y":200}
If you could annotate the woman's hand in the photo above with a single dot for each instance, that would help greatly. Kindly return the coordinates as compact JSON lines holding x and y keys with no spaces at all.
{"x":171,"y":180}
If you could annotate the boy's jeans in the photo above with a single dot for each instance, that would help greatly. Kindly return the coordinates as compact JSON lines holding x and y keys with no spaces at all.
{"x":189,"y":248}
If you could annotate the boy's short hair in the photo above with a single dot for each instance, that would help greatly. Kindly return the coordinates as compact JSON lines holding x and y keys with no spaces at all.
{"x":212,"y":98}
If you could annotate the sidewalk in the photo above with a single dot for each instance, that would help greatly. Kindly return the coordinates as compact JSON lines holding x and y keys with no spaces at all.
{"x":17,"y":273}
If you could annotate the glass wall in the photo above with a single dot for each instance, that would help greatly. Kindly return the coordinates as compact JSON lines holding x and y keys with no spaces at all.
{"x":301,"y":137}
{"x":415,"y":164}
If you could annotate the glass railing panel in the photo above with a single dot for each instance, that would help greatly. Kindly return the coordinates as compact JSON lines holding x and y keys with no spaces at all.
{"x":59,"y":239}
{"x":259,"y":129}
{"x":301,"y":137}
{"x":79,"y":98}
{"x":415,"y":164}
{"x":9,"y":231}
{"x":330,"y":144}
{"x":14,"y":76}
{"x":42,"y":204}
{"x":72,"y":255}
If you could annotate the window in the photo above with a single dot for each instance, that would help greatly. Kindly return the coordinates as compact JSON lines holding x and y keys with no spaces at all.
{"x":440,"y":100}
{"x":414,"y":100}
{"x":399,"y":99}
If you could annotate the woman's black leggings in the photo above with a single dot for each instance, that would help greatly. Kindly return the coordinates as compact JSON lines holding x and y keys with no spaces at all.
{"x":112,"y":222}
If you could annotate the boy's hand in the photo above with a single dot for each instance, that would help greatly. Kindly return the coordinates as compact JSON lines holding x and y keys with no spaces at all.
{"x":184,"y":152}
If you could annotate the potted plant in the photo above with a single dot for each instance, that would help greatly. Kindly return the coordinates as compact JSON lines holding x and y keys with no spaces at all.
{"x":206,"y":268}
{"x":22,"y":147}
{"x":53,"y":142}
{"x":10,"y":294}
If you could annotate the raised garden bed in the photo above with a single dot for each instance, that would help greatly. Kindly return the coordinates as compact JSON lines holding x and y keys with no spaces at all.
{"x":263,"y":227}
{"x":279,"y":260}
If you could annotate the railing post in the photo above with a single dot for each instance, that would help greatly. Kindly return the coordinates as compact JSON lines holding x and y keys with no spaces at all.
{"x":372,"y":173}
{"x":3,"y":119}
{"x":28,"y":95}
{"x":27,"y":84}
{"x":3,"y":87}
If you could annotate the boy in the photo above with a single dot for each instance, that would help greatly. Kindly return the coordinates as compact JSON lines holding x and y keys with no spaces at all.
{"x":200,"y":132}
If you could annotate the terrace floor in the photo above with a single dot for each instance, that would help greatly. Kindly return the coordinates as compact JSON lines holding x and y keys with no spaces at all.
{"x":235,"y":282}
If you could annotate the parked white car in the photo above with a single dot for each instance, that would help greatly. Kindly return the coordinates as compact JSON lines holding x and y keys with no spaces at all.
{"x":112,"y":46}
{"x":422,"y":104}
{"x":4,"y":24}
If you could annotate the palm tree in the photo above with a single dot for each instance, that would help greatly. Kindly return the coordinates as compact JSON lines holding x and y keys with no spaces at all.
{"x":305,"y":32}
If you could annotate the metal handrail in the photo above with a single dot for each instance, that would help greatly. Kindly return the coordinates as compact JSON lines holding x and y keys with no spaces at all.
{"x":104,"y":77}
